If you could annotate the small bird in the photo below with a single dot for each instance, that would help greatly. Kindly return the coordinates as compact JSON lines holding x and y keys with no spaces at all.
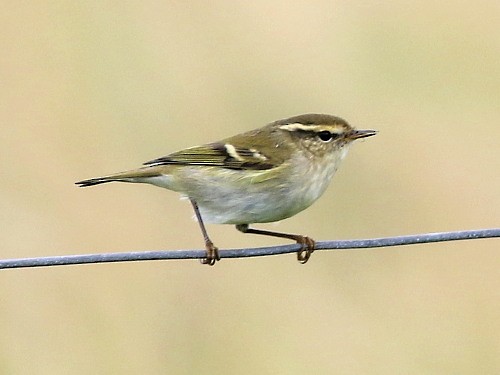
{"x":261,"y":176}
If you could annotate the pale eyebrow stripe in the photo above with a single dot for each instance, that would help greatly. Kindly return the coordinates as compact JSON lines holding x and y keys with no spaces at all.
{"x":314,"y":128}
{"x":298,"y":126}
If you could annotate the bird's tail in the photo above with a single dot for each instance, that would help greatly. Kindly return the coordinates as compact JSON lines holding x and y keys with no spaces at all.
{"x":136,"y":175}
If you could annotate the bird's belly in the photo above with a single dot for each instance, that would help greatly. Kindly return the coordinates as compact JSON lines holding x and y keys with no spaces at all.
{"x":233,"y":208}
{"x":233,"y":199}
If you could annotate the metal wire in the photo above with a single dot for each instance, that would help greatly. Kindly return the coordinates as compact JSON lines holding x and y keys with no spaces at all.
{"x":247,"y":252}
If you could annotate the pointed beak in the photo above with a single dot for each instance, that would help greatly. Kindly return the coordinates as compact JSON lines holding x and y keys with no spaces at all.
{"x":356,"y":134}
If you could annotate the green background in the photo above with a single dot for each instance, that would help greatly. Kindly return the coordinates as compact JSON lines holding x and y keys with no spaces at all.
{"x":90,"y":88}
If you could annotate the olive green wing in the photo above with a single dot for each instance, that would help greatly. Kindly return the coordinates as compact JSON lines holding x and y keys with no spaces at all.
{"x":224,"y":155}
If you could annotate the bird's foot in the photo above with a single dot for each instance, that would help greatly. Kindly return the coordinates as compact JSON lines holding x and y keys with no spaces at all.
{"x":308,"y":245}
{"x":212,"y":254}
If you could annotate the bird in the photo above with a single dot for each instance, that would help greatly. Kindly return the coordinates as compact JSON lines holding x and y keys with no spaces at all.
{"x":259,"y":176}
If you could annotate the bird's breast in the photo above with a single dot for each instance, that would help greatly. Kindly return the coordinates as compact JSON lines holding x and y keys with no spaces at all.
{"x":244,"y":196}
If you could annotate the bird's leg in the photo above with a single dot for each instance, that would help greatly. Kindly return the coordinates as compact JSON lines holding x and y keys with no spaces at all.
{"x":307,"y":243}
{"x":212,"y":250}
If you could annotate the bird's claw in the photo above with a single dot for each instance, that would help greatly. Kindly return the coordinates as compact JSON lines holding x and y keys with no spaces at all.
{"x":307,"y":249}
{"x":212,"y":254}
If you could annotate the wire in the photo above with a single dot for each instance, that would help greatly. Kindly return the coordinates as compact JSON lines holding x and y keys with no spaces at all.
{"x":248,"y":252}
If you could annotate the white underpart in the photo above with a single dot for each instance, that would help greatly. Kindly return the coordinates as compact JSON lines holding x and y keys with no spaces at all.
{"x":227,"y":196}
{"x":231,"y":197}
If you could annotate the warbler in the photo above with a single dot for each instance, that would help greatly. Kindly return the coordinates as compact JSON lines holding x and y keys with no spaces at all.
{"x":261,"y":176}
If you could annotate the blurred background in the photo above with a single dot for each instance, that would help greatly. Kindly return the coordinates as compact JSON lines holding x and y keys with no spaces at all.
{"x":90,"y":88}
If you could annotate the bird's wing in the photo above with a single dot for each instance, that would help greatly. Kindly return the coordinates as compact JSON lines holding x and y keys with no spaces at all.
{"x":220,"y":154}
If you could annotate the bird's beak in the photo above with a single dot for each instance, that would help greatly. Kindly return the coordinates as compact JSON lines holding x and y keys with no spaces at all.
{"x":356,"y":134}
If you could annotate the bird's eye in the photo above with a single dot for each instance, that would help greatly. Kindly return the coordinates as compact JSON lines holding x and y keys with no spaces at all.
{"x":325,"y":136}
